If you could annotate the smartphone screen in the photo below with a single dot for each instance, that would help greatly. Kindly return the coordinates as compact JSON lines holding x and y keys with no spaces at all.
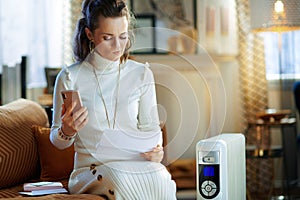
{"x":71,"y":97}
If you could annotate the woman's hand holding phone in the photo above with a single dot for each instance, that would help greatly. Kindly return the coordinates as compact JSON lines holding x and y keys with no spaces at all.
{"x":74,"y":114}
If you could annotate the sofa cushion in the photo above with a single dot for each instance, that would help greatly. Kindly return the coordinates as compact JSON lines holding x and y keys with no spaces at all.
{"x":55,"y":164}
{"x":18,"y":149}
{"x":11,"y":192}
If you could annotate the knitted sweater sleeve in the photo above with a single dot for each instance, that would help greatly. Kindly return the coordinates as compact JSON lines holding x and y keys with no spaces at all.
{"x":148,"y":119}
{"x":62,"y":83}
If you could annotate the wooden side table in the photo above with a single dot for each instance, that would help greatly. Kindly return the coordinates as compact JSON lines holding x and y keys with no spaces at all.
{"x":262,"y":148}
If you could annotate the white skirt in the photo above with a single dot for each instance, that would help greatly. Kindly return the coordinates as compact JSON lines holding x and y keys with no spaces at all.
{"x":129,"y":180}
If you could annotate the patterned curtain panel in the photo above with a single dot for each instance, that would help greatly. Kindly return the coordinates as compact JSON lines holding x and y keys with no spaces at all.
{"x":252,"y":65}
{"x":254,"y":96}
{"x":71,"y":15}
{"x":67,"y":56}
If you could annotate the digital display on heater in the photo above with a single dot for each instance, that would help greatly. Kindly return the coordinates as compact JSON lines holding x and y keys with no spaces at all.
{"x":209,"y":171}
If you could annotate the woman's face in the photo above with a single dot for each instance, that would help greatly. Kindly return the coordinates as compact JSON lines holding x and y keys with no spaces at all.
{"x":111,"y":37}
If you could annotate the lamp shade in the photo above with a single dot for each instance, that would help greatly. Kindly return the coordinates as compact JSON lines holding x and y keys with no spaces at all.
{"x":275,"y":15}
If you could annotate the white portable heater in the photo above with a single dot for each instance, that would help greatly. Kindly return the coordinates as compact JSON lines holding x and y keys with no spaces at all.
{"x":221,"y":171}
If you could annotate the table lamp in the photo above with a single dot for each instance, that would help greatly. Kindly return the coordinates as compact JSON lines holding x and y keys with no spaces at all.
{"x":275,"y":15}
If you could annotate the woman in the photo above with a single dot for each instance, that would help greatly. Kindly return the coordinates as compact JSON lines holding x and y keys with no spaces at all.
{"x":119,"y":116}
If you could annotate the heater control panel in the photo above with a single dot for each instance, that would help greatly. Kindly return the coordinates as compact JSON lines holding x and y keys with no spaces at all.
{"x":209,"y":174}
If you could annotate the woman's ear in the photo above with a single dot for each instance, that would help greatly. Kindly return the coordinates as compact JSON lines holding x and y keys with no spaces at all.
{"x":88,"y":33}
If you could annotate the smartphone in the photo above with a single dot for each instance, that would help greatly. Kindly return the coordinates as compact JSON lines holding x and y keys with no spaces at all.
{"x":70,"y":97}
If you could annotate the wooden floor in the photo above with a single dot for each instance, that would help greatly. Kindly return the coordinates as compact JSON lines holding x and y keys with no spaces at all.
{"x":277,"y":194}
{"x":294,"y":194}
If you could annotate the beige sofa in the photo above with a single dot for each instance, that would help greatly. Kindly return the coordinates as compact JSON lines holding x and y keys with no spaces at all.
{"x":26,"y":153}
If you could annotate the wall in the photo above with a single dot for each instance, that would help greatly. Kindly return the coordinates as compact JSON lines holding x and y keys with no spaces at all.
{"x":198,"y":97}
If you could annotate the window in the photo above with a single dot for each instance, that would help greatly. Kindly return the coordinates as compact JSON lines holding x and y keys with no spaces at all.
{"x":35,"y":29}
{"x":282,"y":62}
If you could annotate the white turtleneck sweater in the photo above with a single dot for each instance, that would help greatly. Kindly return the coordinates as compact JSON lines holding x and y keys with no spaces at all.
{"x":136,"y":106}
{"x":114,"y":176}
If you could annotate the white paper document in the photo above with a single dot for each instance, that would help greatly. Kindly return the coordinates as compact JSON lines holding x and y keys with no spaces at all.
{"x":127,"y":145}
{"x":43,"y":185}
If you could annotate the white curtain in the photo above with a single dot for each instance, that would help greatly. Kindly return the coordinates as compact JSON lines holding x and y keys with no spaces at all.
{"x":32,"y":28}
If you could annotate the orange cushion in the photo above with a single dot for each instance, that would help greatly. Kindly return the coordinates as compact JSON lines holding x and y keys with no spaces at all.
{"x":55,"y":164}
